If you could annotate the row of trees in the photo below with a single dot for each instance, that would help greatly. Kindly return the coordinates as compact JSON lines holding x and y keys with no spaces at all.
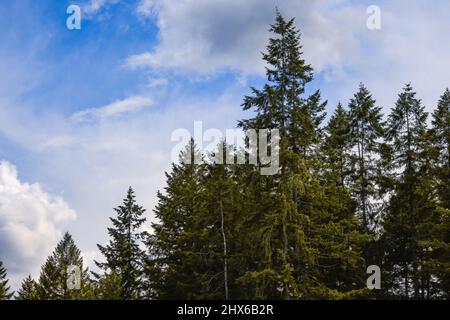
{"x":122,"y":265}
{"x":357,"y":191}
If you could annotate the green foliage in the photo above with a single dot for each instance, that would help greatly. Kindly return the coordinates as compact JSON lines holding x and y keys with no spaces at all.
{"x":123,"y":254}
{"x":109,"y":286}
{"x":366,"y":129}
{"x":284,"y":235}
{"x":28,"y":290}
{"x":414,"y":226}
{"x":52,"y":283}
{"x":5,"y":293}
{"x":440,"y":138}
{"x":173,"y":257}
{"x":349,"y":194}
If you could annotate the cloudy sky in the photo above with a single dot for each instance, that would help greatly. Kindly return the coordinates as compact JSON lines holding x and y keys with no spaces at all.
{"x":86,"y":113}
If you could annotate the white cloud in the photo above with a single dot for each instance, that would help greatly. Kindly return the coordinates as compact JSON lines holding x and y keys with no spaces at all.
{"x":146,"y":8}
{"x":411,"y":46}
{"x":94,"y":6}
{"x":57,"y":142}
{"x":89,"y":258}
{"x":31,"y":223}
{"x":158,"y":82}
{"x":130,"y":104}
{"x":205,"y":36}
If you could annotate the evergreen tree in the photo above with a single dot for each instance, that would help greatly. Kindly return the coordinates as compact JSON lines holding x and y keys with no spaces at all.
{"x":28,"y":290}
{"x":221,"y":218}
{"x":292,"y":218}
{"x":437,"y":254}
{"x":227,"y":231}
{"x":413,"y":208}
{"x":305,"y":121}
{"x":406,"y":129}
{"x":109,"y":286}
{"x":441,"y":143}
{"x":123,"y":254}
{"x":174,"y":262}
{"x":439,"y":248}
{"x":281,"y":105}
{"x":343,"y":268}
{"x":287,"y":73}
{"x":52,"y":284}
{"x":337,"y":146}
{"x":366,"y":129}
{"x":5,"y":293}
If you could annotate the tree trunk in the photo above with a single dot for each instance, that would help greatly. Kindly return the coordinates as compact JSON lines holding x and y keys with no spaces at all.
{"x":225,"y":259}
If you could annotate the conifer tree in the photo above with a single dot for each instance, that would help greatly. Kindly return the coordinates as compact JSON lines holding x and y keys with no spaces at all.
{"x":5,"y":293}
{"x":221,"y":217}
{"x":174,"y":262}
{"x":413,"y":207}
{"x":295,"y":226}
{"x":109,"y":286}
{"x":366,"y":130}
{"x":310,"y":230}
{"x":441,"y":143}
{"x":439,"y":247}
{"x":407,"y":125}
{"x":28,"y":290}
{"x":305,"y":119}
{"x":287,"y":74}
{"x":336,"y":148}
{"x":281,"y":105}
{"x":123,"y":253}
{"x":53,"y":279}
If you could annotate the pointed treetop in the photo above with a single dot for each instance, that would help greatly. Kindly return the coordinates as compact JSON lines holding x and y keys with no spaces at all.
{"x":5,"y":293}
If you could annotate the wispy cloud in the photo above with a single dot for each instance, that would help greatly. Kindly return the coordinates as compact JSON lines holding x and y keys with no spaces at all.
{"x":130,"y":104}
{"x":146,"y":8}
{"x":157,"y":82}
{"x":94,"y":6}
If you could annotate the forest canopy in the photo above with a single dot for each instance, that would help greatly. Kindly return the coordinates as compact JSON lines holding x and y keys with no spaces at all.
{"x":358,"y":190}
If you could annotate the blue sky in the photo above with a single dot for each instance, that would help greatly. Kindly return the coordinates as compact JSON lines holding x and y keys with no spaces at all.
{"x":86,"y":113}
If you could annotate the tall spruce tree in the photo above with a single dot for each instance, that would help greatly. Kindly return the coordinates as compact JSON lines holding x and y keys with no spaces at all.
{"x":413,"y":208}
{"x":5,"y":293}
{"x":174,"y":260}
{"x":337,"y":146}
{"x":297,"y":232}
{"x":28,"y":290}
{"x":441,"y":142}
{"x":287,"y":74}
{"x":342,"y":264}
{"x":366,"y":130}
{"x":123,"y":253}
{"x":439,"y":248}
{"x":52,"y":284}
{"x":281,"y":105}
{"x":406,"y":129}
{"x":221,"y":218}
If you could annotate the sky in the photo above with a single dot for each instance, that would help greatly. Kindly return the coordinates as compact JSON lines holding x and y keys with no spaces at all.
{"x":86,"y":113}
